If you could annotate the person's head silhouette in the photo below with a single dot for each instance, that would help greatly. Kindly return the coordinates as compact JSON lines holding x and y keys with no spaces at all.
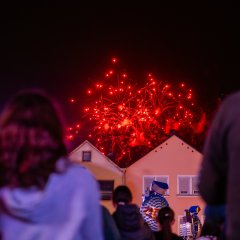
{"x":31,"y":139}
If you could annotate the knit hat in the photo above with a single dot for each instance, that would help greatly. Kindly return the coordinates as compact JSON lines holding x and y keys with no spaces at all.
{"x":160,"y":184}
{"x":194,"y":209}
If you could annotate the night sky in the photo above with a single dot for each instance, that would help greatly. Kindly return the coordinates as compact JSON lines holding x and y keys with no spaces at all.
{"x":63,"y":48}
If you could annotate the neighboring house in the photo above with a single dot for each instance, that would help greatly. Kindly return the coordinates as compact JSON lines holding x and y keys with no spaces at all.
{"x":174,"y":162}
{"x":108,"y":174}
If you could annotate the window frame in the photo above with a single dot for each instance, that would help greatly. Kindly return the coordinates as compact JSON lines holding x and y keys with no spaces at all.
{"x":155,"y":177}
{"x":84,"y":156}
{"x":106,"y":194}
{"x":191,"y":187}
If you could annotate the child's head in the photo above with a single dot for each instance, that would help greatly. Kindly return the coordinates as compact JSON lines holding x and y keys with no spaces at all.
{"x":166,"y":215}
{"x":122,"y":194}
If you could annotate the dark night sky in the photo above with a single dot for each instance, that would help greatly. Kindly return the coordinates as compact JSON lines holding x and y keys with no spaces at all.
{"x":62,"y":47}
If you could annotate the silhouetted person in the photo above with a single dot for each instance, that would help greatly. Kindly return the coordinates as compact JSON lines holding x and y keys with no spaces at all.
{"x":196,"y":223}
{"x":42,"y":195}
{"x":110,"y":229}
{"x":166,"y":219}
{"x":128,"y":218}
{"x":220,"y":171}
{"x":214,"y":222}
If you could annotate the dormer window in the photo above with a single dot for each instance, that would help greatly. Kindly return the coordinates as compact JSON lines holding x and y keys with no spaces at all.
{"x":86,"y":156}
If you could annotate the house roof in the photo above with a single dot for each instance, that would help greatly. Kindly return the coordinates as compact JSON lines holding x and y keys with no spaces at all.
{"x":165,"y":142}
{"x":96,"y":149}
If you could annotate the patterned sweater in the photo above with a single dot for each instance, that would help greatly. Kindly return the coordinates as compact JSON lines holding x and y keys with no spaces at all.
{"x":150,"y":207}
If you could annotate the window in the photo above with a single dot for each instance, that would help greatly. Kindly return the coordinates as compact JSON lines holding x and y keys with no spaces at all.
{"x":195,"y":190}
{"x":106,"y":189}
{"x":147,"y":180}
{"x":86,"y":156}
{"x":187,"y":185}
{"x":184,"y":227}
{"x":184,"y":185}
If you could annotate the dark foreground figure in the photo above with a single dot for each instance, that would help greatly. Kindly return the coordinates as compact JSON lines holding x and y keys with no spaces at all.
{"x":42,"y":195}
{"x":128,"y":218}
{"x":220,"y":172}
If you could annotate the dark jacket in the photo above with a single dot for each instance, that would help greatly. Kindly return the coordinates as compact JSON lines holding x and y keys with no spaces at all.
{"x":130,"y":223}
{"x":220,"y":170}
{"x":160,"y":236}
{"x":110,"y":229}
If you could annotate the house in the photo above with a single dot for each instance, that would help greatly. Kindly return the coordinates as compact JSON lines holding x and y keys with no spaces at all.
{"x":173,"y":162}
{"x":108,"y":174}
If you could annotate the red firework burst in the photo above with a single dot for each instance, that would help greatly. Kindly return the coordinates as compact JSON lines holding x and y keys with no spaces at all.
{"x":130,"y":120}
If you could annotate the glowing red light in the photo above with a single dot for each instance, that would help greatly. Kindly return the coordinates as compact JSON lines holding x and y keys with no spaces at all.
{"x":99,"y":85}
{"x":70,"y":137}
{"x":114,"y":60}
